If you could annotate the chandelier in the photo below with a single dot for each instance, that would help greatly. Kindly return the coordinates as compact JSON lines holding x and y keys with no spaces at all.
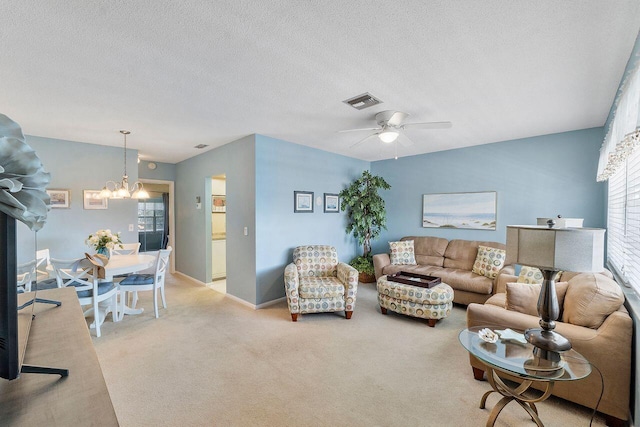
{"x":121,"y":190}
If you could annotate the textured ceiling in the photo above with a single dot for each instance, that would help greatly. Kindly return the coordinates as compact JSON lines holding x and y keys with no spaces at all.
{"x":178,"y":74}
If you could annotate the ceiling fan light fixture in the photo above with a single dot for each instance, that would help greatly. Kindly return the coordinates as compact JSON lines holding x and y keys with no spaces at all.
{"x":388,"y":135}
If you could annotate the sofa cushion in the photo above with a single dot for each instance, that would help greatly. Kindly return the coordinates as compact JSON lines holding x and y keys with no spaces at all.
{"x":427,"y":270}
{"x":462,"y":253}
{"x":523,"y":298}
{"x":489,"y":261}
{"x":565,"y":276}
{"x":530,"y":275}
{"x":402,"y":253}
{"x":429,"y":250}
{"x":499,"y":300}
{"x":320,"y":287}
{"x":590,"y":299}
{"x":464,"y":280}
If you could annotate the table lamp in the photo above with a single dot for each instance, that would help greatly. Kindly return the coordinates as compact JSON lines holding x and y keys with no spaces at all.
{"x":552,"y":250}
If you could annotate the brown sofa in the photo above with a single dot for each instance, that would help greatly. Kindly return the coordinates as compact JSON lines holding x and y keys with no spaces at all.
{"x":452,"y":261}
{"x":594,"y":300}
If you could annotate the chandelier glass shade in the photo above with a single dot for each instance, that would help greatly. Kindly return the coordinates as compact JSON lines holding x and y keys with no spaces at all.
{"x":121,"y":190}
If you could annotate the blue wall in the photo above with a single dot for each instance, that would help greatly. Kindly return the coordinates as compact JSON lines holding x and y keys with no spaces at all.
{"x":163,"y":171}
{"x":534,"y":177}
{"x":281,"y":169}
{"x":76,"y":167}
{"x":193,"y":226}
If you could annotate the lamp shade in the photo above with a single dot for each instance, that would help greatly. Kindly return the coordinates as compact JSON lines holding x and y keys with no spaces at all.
{"x":569,"y":249}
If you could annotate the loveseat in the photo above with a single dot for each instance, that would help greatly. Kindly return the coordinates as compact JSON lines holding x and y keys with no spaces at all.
{"x":452,"y":261}
{"x":594,"y":320}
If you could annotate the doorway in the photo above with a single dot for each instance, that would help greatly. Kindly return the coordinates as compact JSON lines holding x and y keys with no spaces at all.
{"x":156,"y":220}
{"x":219,"y":233}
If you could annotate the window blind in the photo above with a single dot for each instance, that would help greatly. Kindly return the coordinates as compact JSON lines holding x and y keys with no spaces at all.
{"x":623,"y":221}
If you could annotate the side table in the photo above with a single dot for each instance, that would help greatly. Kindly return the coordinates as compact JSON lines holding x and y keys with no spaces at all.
{"x":511,"y":358}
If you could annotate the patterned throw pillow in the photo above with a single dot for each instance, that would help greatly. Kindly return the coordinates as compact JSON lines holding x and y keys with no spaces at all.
{"x":402,"y":253}
{"x":529,"y":275}
{"x":489,"y":261}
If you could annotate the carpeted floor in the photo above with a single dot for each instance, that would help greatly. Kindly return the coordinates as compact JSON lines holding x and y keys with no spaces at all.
{"x":210,"y":361}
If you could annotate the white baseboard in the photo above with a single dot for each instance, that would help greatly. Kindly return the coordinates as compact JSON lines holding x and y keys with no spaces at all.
{"x":270,"y":303}
{"x":190,"y":278}
{"x":233,"y":297}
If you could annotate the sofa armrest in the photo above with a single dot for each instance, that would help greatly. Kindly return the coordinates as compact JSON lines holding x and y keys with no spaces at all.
{"x":379,"y":262}
{"x":291,"y":285}
{"x":506,"y":275}
{"x":349,"y":278}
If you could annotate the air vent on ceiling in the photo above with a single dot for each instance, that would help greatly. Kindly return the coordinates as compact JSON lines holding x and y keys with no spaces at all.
{"x":363,"y":101}
{"x":200,"y":146}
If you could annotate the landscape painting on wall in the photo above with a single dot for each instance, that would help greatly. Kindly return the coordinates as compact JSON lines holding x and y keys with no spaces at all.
{"x":460,"y":210}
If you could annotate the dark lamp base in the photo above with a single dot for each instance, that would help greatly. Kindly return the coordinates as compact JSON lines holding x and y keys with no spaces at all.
{"x":547,"y":340}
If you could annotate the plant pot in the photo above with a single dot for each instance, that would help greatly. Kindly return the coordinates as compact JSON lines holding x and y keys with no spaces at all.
{"x":366,"y":277}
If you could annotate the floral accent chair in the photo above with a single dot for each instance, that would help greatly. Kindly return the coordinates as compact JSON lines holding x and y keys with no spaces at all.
{"x":315,"y":282}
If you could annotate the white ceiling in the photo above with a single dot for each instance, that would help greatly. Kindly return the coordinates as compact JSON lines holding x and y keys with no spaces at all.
{"x":182,"y":73}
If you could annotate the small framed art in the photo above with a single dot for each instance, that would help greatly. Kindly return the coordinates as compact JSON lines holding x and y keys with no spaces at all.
{"x":92,"y":200}
{"x":59,"y":199}
{"x":218,"y":204}
{"x":331,"y":203}
{"x":303,"y":201}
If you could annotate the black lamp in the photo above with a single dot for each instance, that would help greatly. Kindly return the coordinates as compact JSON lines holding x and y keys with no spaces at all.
{"x":552,"y":250}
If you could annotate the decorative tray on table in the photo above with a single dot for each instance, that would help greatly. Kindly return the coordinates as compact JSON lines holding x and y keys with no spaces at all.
{"x":414,"y":279}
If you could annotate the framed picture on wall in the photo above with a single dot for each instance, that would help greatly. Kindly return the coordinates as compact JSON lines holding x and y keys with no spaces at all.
{"x":303,"y":201}
{"x":331,"y":203}
{"x":460,"y":210}
{"x":92,"y":200}
{"x":59,"y":199}
{"x":218,"y":203}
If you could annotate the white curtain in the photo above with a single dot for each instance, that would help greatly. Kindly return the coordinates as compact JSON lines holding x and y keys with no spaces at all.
{"x":624,"y":133}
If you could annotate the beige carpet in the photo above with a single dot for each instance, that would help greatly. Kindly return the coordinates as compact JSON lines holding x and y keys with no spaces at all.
{"x":210,"y":361}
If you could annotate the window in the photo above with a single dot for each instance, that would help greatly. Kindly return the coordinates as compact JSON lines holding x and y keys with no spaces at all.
{"x":623,"y":220}
{"x":150,"y":215}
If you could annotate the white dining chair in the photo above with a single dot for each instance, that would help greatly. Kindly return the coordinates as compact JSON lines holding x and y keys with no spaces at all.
{"x":126,"y":249}
{"x":26,"y":275}
{"x":147,"y":282}
{"x":83,"y":275}
{"x":44,"y":269}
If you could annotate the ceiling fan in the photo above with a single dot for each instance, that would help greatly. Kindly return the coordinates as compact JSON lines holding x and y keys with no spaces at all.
{"x":391,"y":124}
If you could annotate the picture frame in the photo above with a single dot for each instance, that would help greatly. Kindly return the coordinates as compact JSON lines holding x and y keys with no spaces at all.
{"x":331,"y":203}
{"x":303,"y":201}
{"x":218,"y":203}
{"x":60,"y":199}
{"x":91,"y":200}
{"x":476,"y":210}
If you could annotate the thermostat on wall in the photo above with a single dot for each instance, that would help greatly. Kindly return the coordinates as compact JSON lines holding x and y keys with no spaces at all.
{"x":152,"y":165}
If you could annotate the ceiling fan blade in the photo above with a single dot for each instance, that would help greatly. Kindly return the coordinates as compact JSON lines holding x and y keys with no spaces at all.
{"x":357,"y":130}
{"x":404,"y":140}
{"x":429,"y":125}
{"x":363,"y":140}
{"x":397,"y":118}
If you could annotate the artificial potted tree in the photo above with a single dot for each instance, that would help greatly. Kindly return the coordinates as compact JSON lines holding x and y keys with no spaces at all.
{"x":367,"y":217}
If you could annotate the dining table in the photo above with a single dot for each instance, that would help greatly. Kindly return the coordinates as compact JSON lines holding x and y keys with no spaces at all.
{"x":127,"y":264}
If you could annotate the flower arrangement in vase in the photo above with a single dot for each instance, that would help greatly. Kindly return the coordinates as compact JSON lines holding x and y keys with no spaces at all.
{"x":104,"y":240}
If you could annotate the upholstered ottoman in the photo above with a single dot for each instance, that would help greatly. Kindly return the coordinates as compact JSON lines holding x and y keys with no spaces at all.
{"x":427,"y":303}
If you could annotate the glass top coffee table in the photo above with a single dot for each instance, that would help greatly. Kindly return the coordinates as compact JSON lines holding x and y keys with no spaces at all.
{"x":515,"y":359}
